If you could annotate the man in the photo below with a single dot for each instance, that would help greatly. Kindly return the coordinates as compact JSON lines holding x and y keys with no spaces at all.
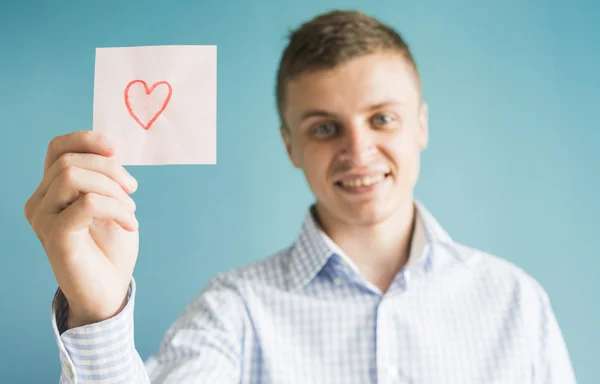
{"x":372,"y":291}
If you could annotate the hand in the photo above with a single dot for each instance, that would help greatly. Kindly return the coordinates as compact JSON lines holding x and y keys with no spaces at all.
{"x":84,"y":217}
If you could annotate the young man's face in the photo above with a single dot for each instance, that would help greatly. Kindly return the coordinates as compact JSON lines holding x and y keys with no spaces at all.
{"x":357,"y":133}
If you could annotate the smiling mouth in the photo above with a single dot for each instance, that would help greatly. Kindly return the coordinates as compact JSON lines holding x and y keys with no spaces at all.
{"x":362,"y":183}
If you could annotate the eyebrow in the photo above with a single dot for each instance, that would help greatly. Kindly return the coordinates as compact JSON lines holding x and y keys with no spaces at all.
{"x":324,"y":113}
{"x":315,"y":113}
{"x":385,"y":103}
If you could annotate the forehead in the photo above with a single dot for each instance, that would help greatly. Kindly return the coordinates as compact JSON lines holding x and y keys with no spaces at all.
{"x":353,"y":86}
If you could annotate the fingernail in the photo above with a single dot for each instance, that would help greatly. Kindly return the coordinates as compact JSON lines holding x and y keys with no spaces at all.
{"x":133,"y":183}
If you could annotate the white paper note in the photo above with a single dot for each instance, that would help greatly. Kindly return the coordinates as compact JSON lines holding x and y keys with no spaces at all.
{"x":158,"y":104}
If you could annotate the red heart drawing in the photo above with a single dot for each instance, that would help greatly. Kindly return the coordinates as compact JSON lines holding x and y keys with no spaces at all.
{"x":148,"y":91}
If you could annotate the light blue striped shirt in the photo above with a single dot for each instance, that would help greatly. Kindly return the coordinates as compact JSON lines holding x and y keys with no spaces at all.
{"x":454,"y":314}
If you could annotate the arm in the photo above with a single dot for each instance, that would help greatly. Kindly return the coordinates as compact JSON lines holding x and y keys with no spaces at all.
{"x":553,"y":363}
{"x":99,"y":352}
{"x":203,"y":345}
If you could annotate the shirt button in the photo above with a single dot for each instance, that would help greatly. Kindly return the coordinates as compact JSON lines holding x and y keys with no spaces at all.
{"x":337,"y":281}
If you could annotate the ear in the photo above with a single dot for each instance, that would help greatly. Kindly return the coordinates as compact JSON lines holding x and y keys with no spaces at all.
{"x":423,"y":134}
{"x":287,"y":140}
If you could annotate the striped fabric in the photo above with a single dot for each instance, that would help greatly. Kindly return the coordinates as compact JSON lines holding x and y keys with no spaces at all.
{"x":454,"y":314}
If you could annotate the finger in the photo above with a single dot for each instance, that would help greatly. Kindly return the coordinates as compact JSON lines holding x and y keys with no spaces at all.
{"x":90,"y":206}
{"x":78,"y":142}
{"x":74,"y":182}
{"x":90,"y":162}
{"x":30,"y":206}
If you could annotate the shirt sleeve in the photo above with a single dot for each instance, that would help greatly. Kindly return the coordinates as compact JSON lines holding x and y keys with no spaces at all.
{"x":100,"y":352}
{"x":202,"y":346}
{"x":553,"y":363}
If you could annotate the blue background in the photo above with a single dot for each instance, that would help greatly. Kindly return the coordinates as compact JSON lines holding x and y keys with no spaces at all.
{"x":512,"y":166}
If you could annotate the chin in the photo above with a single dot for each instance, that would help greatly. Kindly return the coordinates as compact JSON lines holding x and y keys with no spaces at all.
{"x":363,"y":205}
{"x":369,"y":214}
{"x":360,"y":213}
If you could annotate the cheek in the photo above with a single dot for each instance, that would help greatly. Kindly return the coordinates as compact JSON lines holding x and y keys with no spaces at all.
{"x":315,"y":164}
{"x":404,"y":152}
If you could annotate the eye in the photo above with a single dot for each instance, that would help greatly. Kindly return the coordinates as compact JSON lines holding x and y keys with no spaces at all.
{"x":324,"y":129}
{"x":382,"y":119}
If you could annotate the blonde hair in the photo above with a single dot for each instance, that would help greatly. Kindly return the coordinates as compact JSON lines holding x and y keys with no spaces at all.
{"x":331,"y":39}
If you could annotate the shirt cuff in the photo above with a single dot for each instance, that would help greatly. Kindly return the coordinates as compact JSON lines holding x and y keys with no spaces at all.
{"x":98,"y":351}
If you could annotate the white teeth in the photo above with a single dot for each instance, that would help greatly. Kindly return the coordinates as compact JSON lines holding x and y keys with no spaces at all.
{"x":363,"y":182}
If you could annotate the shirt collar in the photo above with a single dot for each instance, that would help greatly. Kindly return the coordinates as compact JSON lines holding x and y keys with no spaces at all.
{"x":313,"y":247}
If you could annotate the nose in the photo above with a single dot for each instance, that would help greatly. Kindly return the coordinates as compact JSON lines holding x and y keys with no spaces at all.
{"x":358,"y":145}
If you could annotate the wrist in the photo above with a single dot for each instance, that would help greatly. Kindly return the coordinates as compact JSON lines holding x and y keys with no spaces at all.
{"x":77,"y":318}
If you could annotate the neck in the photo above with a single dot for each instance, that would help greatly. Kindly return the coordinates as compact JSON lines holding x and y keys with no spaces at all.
{"x":379,"y":250}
